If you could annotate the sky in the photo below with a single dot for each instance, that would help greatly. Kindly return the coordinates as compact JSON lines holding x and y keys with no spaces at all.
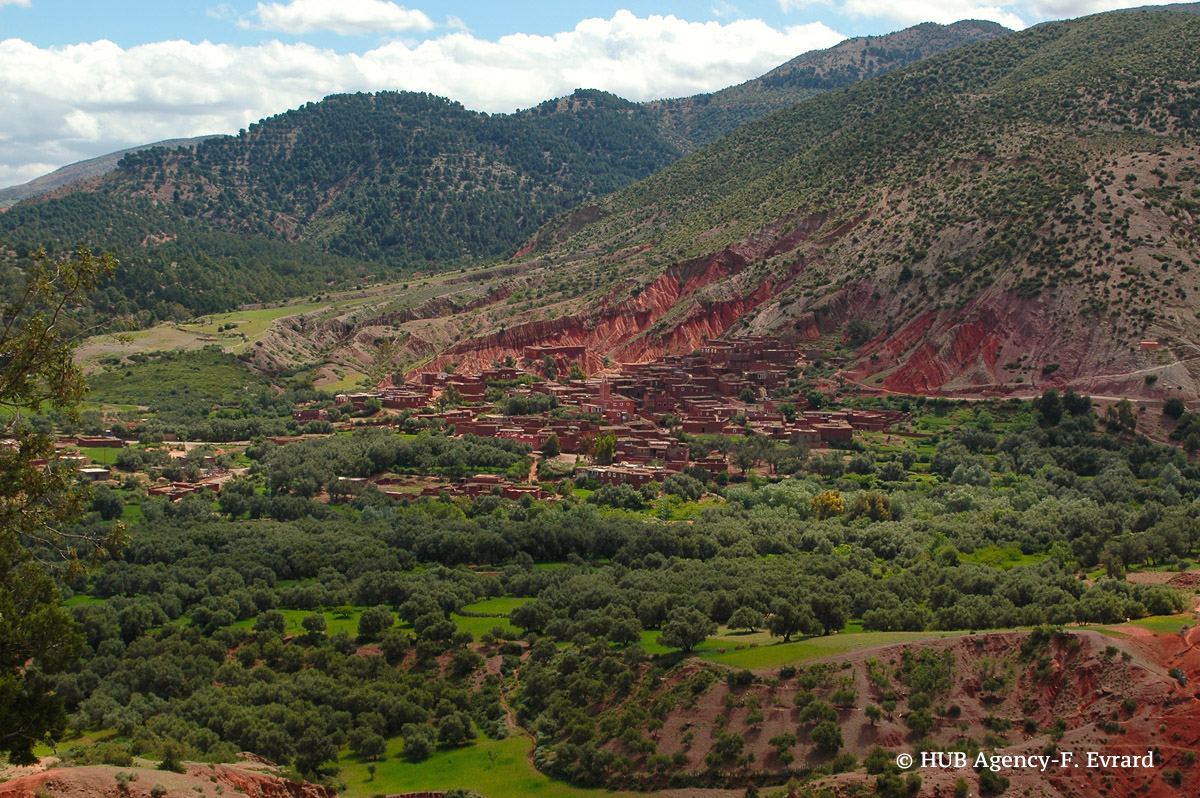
{"x":82,"y":78}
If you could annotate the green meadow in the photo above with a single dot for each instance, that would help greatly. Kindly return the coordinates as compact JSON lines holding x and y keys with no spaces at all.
{"x":495,"y":768}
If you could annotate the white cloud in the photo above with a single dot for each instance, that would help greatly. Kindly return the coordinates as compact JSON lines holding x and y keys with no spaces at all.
{"x":340,"y":16}
{"x":1064,"y":9}
{"x":1014,"y":14}
{"x":22,"y":3}
{"x":65,"y":104}
{"x":221,"y":11}
{"x":912,"y":12}
{"x":721,"y":9}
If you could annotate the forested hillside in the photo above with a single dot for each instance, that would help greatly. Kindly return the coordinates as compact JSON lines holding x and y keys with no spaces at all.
{"x":397,"y":180}
{"x":388,"y":635}
{"x":692,"y":122}
{"x":1014,"y":212}
{"x":83,"y":170}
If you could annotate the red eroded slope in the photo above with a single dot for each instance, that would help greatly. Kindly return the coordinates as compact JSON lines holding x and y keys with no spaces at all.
{"x":616,"y":329}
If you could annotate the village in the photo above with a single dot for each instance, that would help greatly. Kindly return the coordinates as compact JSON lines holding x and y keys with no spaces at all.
{"x":627,"y":425}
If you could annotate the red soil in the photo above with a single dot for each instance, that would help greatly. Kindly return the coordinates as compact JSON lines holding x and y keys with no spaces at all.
{"x":1114,"y":695}
{"x":203,"y":780}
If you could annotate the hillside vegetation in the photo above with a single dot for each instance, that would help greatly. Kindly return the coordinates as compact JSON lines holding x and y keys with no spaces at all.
{"x":692,"y":122}
{"x":362,"y":637}
{"x":393,"y":181}
{"x":1013,"y":212}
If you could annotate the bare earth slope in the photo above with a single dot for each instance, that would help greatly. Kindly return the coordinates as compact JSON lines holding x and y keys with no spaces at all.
{"x":1078,"y":692}
{"x":199,"y":780}
{"x":1016,"y":213}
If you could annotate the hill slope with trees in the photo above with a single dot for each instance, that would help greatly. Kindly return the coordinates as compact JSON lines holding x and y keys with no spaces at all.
{"x":393,"y":181}
{"x":1015,"y":212}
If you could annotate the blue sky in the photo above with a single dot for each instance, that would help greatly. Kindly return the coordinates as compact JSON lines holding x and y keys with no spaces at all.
{"x":82,"y":78}
{"x":57,"y":22}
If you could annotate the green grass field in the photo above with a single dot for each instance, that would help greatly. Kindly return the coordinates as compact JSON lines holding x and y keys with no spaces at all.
{"x":132,"y":514}
{"x":501,"y":605}
{"x":758,"y":650}
{"x":495,"y":768}
{"x":252,"y":324}
{"x":99,"y":455}
{"x":775,"y":654}
{"x":1002,"y":557}
{"x":81,"y":598}
{"x":348,"y":382}
{"x":205,"y":376}
{"x":477,"y":626}
{"x":333,"y":623}
{"x":1165,"y":624}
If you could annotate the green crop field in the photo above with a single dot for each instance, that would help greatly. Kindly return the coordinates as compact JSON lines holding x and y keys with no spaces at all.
{"x":99,"y":455}
{"x":81,"y":598}
{"x":333,"y":622}
{"x":495,"y":768}
{"x":502,"y":605}
{"x":252,"y":324}
{"x":776,"y":654}
{"x":1002,"y":557}
{"x":759,"y":650}
{"x":1165,"y":624}
{"x":477,"y":626}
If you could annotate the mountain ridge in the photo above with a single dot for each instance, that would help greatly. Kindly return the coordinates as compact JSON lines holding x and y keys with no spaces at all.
{"x":418,"y":182}
{"x":86,"y":169}
{"x":1011,"y":214}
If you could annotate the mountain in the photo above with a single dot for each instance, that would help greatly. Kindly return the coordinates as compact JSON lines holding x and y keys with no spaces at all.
{"x":398,"y":180}
{"x":83,"y":170}
{"x":692,"y":122}
{"x":1015,"y":213}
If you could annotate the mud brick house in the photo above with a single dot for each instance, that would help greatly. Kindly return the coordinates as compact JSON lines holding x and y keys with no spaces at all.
{"x":482,"y":428}
{"x":405,"y":399}
{"x":456,"y":415}
{"x":658,"y":402}
{"x":356,"y":400}
{"x":100,"y":443}
{"x":730,"y":384}
{"x":834,"y":431}
{"x":805,"y":435}
{"x":519,"y":491}
{"x":520,"y":436}
{"x":95,"y":473}
{"x":703,"y":426}
{"x":471,"y":389}
{"x":713,"y":464}
{"x":482,"y":485}
{"x":629,"y":475}
{"x":873,"y":420}
{"x":500,"y":374}
{"x":309,"y":414}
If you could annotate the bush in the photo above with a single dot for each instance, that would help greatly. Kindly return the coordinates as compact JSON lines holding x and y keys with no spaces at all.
{"x":374,"y":621}
{"x":991,"y":784}
{"x":827,"y":736}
